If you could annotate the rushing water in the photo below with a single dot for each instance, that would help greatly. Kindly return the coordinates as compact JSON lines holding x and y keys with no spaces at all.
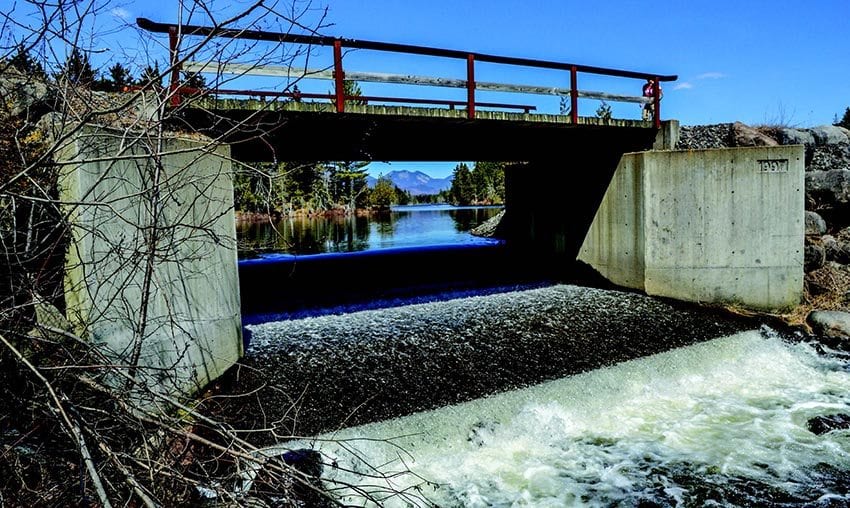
{"x":722,"y":423}
{"x":403,"y":226}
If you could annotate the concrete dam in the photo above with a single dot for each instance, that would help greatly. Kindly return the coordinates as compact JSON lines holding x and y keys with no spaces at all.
{"x":457,"y":368}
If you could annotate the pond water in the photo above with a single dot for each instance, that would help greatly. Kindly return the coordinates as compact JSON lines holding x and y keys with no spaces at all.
{"x":402,"y":226}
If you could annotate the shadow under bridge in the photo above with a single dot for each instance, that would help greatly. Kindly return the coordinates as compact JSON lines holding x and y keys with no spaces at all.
{"x":562,"y":163}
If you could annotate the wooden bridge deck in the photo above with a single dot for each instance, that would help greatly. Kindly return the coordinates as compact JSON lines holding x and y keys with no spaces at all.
{"x":256,"y":105}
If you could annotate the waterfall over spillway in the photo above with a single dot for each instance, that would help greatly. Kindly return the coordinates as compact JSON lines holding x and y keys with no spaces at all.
{"x":553,"y":396}
{"x":721,"y":423}
{"x":377,"y":364}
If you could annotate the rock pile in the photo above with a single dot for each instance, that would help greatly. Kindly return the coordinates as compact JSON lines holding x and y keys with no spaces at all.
{"x":702,"y":137}
{"x":490,"y":227}
{"x":52,"y":106}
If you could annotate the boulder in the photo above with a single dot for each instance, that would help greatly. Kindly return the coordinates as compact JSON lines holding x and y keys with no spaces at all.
{"x":744,"y":135}
{"x":814,"y":257}
{"x":836,"y":249}
{"x":829,"y":189}
{"x":822,"y":424}
{"x":842,"y":239}
{"x":294,"y":475}
{"x":795,"y":137}
{"x":23,"y":95}
{"x":831,"y":323}
{"x":798,"y":137}
{"x":815,"y":225}
{"x":829,"y":135}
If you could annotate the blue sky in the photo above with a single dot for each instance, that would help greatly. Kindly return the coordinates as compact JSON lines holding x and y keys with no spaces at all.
{"x":756,"y":61}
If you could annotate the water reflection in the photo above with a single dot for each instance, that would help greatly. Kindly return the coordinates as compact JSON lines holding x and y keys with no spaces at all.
{"x":403,"y":226}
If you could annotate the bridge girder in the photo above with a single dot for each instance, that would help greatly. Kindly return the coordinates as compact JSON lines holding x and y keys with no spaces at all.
{"x":320,"y":136}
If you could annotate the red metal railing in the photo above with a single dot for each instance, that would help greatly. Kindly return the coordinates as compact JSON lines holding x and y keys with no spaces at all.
{"x":175,"y":32}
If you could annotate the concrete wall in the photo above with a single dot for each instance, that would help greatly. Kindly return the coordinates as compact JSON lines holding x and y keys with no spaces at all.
{"x":667,"y":136}
{"x":707,"y":226}
{"x":176,"y":291}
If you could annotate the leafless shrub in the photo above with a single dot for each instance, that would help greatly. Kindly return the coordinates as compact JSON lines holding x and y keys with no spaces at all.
{"x":83,"y":422}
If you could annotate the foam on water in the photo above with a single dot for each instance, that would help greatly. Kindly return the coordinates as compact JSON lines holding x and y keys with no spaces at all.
{"x":673,"y":428}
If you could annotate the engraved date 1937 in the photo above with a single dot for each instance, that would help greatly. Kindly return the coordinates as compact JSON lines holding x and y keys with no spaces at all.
{"x":773,"y":166}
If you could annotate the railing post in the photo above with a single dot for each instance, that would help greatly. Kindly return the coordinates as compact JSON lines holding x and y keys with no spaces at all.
{"x":470,"y":86}
{"x":339,"y":77}
{"x":573,"y":94}
{"x":174,"y":85}
{"x":656,"y":99}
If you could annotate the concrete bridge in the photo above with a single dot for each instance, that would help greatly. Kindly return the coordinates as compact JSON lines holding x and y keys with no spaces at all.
{"x":712,"y":226}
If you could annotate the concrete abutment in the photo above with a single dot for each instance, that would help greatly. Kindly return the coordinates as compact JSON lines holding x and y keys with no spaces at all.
{"x":711,"y":226}
{"x":152,"y":269}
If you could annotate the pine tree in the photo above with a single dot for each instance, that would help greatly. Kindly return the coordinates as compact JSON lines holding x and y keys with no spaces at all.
{"x":384,"y":194}
{"x":347,"y":183}
{"x":845,"y":120}
{"x":151,"y":75}
{"x":194,"y":80}
{"x":120,"y":77}
{"x":350,"y":89}
{"x":23,"y":62}
{"x":77,"y":69}
{"x":403,"y":197}
{"x":305,"y":185}
{"x":116,"y":80}
{"x":489,"y":181}
{"x":462,"y":191}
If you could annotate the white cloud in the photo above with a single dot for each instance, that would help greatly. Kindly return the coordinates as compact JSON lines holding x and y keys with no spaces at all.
{"x":687,"y":85}
{"x":122,"y":13}
{"x":711,"y":75}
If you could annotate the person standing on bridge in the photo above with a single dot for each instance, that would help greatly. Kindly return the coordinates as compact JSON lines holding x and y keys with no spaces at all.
{"x":649,"y":92}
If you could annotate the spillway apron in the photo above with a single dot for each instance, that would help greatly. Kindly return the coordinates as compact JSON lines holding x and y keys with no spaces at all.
{"x":722,"y":421}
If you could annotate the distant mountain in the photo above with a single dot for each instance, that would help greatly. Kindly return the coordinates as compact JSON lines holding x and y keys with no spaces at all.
{"x":415,"y":182}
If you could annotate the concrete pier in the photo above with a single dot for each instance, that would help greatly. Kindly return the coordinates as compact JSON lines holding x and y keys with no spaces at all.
{"x":152,"y":269}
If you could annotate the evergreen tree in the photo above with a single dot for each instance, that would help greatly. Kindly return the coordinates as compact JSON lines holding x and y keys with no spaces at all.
{"x":489,"y":181}
{"x":481,"y":185}
{"x":306,"y":187}
{"x":261,"y":190}
{"x":347,"y":184}
{"x":384,"y":194}
{"x":462,"y":191}
{"x":845,"y":120}
{"x":26,"y":64}
{"x":117,"y":79}
{"x":403,"y":197}
{"x":151,"y":75}
{"x":194,"y":80}
{"x":120,"y":77}
{"x":77,"y":69}
{"x":350,"y":89}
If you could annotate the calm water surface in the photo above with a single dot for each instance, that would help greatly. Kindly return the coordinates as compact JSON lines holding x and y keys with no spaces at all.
{"x":403,"y":226}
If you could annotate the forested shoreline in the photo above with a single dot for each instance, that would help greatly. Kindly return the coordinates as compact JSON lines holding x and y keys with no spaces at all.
{"x":331,"y":188}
